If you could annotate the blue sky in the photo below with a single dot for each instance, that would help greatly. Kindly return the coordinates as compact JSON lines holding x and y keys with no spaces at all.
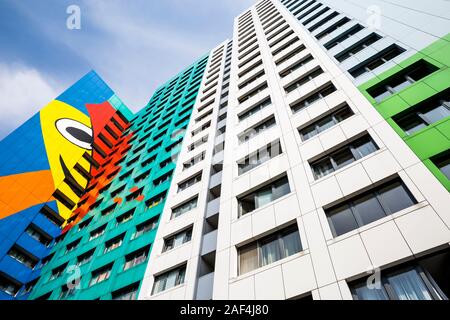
{"x":135,"y":45}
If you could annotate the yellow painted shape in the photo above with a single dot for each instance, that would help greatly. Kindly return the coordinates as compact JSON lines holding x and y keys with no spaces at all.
{"x":57,"y":145}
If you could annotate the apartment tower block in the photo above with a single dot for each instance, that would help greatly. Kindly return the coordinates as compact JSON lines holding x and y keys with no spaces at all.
{"x":300,"y":159}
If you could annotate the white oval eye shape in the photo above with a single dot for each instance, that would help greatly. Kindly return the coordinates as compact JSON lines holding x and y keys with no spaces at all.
{"x":75,"y":132}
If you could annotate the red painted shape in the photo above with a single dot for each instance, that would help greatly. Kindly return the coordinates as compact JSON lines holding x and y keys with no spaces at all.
{"x":140,"y":198}
{"x":100,"y":115}
{"x":134,"y":189}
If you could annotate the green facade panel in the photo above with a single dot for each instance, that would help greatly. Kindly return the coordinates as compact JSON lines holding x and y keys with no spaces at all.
{"x":435,"y":138}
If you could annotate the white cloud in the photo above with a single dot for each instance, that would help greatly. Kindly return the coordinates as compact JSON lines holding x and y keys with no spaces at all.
{"x":24,"y":91}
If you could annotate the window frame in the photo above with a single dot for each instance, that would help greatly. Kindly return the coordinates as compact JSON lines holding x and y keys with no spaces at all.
{"x":374,"y":193}
{"x":350,"y":146}
{"x":273,"y":185}
{"x":277,"y":236}
{"x":424,"y":275}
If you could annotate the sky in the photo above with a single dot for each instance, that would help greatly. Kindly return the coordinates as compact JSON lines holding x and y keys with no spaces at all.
{"x":134,"y":45}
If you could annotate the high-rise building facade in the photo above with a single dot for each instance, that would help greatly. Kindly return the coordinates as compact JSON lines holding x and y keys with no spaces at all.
{"x":301,"y":159}
{"x":44,"y":170}
{"x":104,"y":254}
{"x":316,"y":186}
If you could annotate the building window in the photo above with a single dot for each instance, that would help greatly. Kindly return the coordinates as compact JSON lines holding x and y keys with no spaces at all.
{"x":198,"y":143}
{"x":402,"y":80}
{"x":97,"y":233}
{"x":134,"y":195}
{"x":177,"y":240}
{"x":424,"y":114}
{"x":127,"y":293}
{"x":101,"y":275}
{"x":290,"y":55}
{"x":127,"y":216}
{"x":257,"y":129}
{"x":194,"y":160}
{"x":296,"y":65}
{"x":23,"y":256}
{"x":422,"y":279}
{"x":344,"y":156}
{"x":442,"y":162}
{"x":113,"y":195}
{"x":376,"y":61}
{"x":259,"y":157}
{"x":156,"y":200}
{"x":304,"y":79}
{"x":316,"y":15}
{"x":321,"y":22}
{"x":347,"y":34}
{"x":85,"y":258}
{"x":58,"y":271}
{"x":169,"y":279}
{"x":369,"y":207}
{"x":255,"y":109}
{"x":136,"y":258}
{"x":326,"y":122}
{"x":67,"y":292}
{"x":46,"y":260}
{"x":38,"y":235}
{"x":332,"y":28}
{"x":142,"y":177}
{"x":28,"y":287}
{"x":263,"y":196}
{"x":270,"y":249}
{"x":8,"y":285}
{"x":357,"y":47}
{"x":84,"y":224}
{"x":183,"y":208}
{"x":190,"y":182}
{"x":253,"y":93}
{"x":167,"y":162}
{"x":113,"y":243}
{"x":109,"y":210}
{"x":316,"y":95}
{"x":73,"y":245}
{"x":145,"y":227}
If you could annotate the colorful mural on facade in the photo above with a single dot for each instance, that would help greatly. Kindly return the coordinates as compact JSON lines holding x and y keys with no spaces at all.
{"x":45,"y":167}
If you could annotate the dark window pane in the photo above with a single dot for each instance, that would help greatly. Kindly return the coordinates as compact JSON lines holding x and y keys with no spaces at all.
{"x":343,"y":114}
{"x":365,"y":147}
{"x":323,"y":168}
{"x":395,"y":197}
{"x":291,"y":244}
{"x":443,"y":164}
{"x":436,"y":114}
{"x":411,"y":124}
{"x":368,"y":209}
{"x":363,"y":292}
{"x":409,"y":286}
{"x":270,"y":251}
{"x":326,"y":123}
{"x":309,"y":132}
{"x":342,"y":220}
{"x":263,"y":197}
{"x":281,"y":188}
{"x":382,"y":95}
{"x":343,"y":158}
{"x":401,"y":85}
